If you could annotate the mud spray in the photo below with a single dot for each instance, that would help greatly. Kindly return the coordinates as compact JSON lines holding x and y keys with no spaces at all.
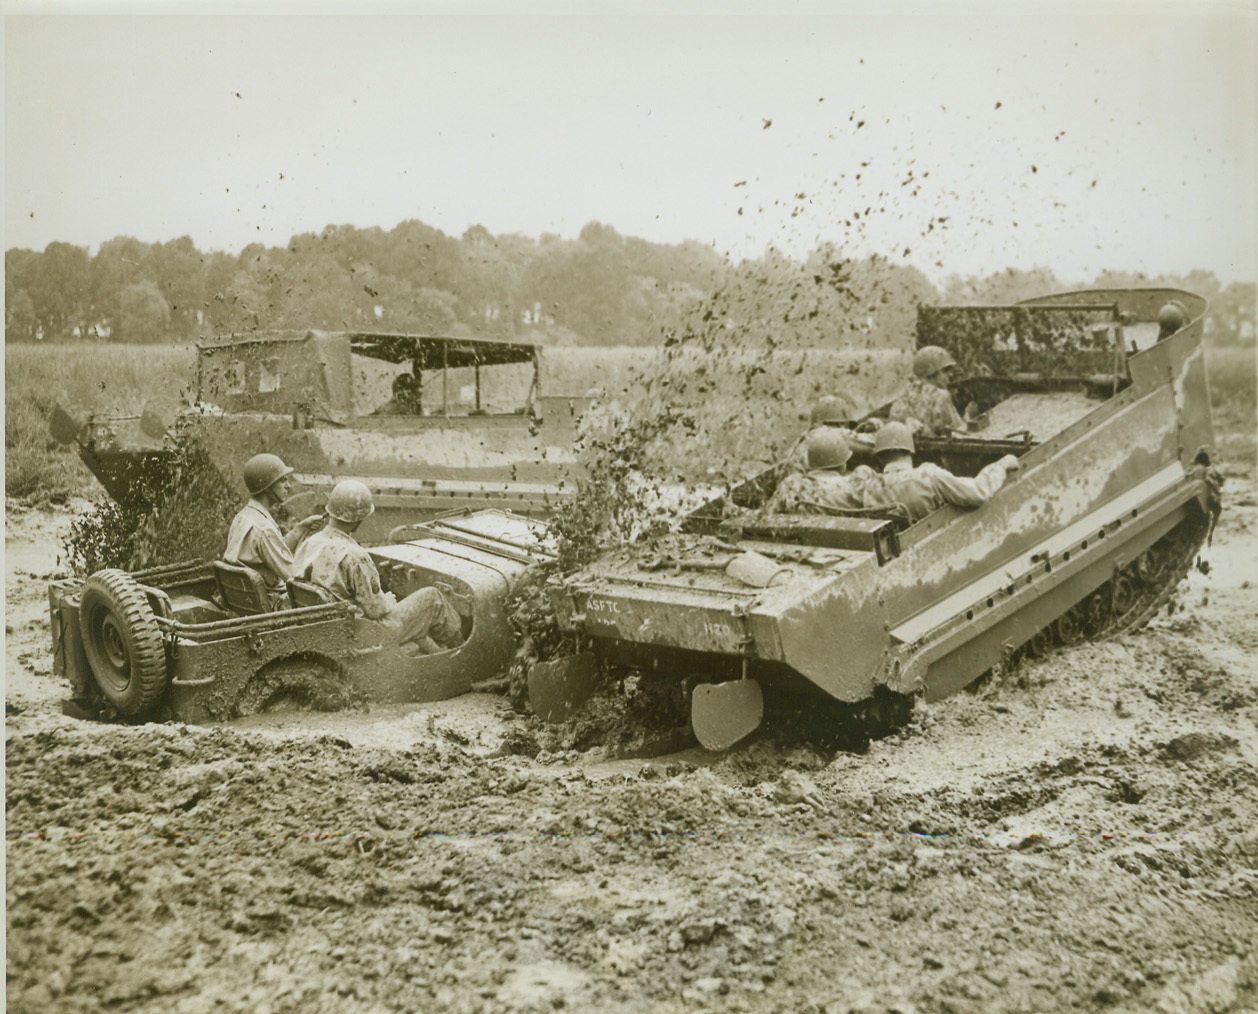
{"x":182,"y":514}
{"x":728,"y":398}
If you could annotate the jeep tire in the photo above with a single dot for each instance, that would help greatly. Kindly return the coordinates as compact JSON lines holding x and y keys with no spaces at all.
{"x":122,"y":642}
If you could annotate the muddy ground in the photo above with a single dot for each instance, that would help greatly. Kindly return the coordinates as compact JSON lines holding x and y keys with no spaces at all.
{"x":1078,"y":836}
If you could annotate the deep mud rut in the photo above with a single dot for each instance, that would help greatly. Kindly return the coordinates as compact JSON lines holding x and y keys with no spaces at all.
{"x":1079,"y":835}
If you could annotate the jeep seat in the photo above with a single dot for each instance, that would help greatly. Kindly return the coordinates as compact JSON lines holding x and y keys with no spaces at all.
{"x":242,"y":588}
{"x":307,"y":593}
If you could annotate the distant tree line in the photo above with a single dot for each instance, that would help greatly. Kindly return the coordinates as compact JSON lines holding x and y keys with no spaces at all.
{"x":601,"y":288}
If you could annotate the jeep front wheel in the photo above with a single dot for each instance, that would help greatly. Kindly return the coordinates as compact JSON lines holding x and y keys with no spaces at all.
{"x":122,"y":642}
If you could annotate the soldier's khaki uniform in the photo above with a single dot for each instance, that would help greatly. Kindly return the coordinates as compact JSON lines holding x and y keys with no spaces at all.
{"x":928,"y":405}
{"x":820,"y":490}
{"x":923,"y":488}
{"x":255,"y":540}
{"x":334,"y":560}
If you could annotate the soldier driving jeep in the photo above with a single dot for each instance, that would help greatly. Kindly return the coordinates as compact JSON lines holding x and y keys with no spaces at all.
{"x":255,"y":540}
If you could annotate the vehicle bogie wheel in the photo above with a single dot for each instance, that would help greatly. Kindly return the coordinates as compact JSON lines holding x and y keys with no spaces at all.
{"x":1097,"y":612}
{"x":1041,"y":643}
{"x":1150,"y":565}
{"x":122,"y":641}
{"x":1125,"y":596}
{"x":1068,"y":629}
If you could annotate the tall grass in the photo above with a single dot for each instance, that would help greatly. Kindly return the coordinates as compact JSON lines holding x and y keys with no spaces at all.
{"x":1233,"y":373}
{"x":117,"y":379}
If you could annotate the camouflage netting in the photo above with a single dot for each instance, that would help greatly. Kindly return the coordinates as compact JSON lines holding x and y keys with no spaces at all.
{"x":1009,"y":340}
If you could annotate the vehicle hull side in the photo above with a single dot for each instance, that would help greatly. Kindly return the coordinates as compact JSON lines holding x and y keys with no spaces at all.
{"x":941,"y":667}
{"x":415,"y":471}
{"x":1146,"y":438}
{"x":209,"y":676}
{"x":968,"y":585}
{"x":128,"y":476}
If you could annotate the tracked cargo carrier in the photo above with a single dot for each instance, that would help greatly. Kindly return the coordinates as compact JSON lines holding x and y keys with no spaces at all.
{"x":1109,"y":417}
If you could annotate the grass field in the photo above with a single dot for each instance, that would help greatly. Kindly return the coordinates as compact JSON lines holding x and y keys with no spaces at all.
{"x":119,"y":379}
{"x":124,"y":379}
{"x":1233,"y":371}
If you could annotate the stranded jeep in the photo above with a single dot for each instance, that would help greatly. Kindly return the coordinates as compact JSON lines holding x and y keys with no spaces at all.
{"x":194,"y":642}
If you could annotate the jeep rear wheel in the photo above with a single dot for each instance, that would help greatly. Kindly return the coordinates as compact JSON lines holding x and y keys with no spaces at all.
{"x":296,"y":683}
{"x":122,"y":642}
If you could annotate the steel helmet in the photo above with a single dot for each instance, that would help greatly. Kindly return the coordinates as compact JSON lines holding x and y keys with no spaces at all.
{"x":833,"y":408}
{"x":350,"y":501}
{"x":895,"y":436}
{"x":827,"y":448}
{"x":1172,"y":317}
{"x":263,"y":471}
{"x":929,"y":360}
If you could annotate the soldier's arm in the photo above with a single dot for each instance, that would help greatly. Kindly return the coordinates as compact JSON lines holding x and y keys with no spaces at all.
{"x":787,"y":496}
{"x":873,"y":488}
{"x":300,"y":530}
{"x":946,"y":415}
{"x":274,"y":552}
{"x":966,"y":492}
{"x":363,"y":581}
{"x":840,"y":493}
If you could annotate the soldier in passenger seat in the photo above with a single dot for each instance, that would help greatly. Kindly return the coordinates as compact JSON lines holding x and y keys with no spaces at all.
{"x":332,"y":558}
{"x":827,"y":484}
{"x":923,"y":488}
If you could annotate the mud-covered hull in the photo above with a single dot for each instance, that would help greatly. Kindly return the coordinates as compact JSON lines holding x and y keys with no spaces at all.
{"x":131,"y":477}
{"x":495,"y":424}
{"x":1118,"y":500}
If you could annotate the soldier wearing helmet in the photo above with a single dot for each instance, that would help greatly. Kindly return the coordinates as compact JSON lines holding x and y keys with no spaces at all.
{"x":827,"y":485}
{"x":834,"y":412}
{"x":333,"y":559}
{"x":254,"y":539}
{"x":922,"y":489}
{"x":1171,"y":318}
{"x":926,"y":404}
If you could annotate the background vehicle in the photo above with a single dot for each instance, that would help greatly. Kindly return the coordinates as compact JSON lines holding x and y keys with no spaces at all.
{"x":1113,"y":500}
{"x":192,"y":642}
{"x":494,"y":426}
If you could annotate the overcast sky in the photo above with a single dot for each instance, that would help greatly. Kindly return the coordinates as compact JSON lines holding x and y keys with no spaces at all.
{"x":964,"y":143}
